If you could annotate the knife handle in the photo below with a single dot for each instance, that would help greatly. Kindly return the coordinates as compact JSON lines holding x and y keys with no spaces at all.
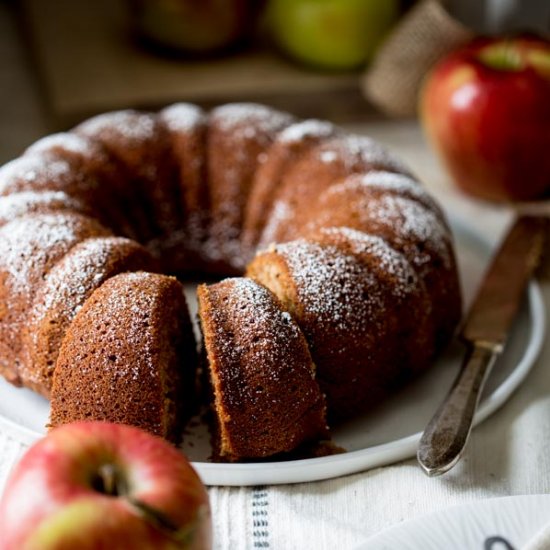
{"x":445,"y":437}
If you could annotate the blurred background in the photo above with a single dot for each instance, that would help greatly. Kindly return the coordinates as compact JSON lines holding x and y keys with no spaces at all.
{"x":349,"y":61}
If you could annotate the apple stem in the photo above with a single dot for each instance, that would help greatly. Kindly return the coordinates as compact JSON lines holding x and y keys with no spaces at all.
{"x":160,"y":521}
{"x":109,"y":481}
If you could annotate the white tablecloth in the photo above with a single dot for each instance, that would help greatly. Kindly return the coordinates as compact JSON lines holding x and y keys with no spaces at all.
{"x":509,"y":454}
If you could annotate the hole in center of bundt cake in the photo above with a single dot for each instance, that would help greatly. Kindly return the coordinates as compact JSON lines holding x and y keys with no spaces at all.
{"x":109,"y":480}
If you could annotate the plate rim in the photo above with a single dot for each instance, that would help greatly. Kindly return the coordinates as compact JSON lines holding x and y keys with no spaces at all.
{"x":328,"y":467}
{"x":431,"y":517}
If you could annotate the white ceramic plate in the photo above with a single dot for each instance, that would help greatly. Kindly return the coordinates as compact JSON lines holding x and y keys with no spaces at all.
{"x":506,"y":523}
{"x":388,"y":434}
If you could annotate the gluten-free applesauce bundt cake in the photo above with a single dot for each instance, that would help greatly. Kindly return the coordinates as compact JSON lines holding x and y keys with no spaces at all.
{"x":350,"y":282}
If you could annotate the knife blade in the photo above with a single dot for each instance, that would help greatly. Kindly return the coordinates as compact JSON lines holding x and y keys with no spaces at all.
{"x":484,"y":333}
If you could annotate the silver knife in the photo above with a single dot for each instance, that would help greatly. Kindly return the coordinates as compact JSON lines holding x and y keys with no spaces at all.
{"x":484,"y":332}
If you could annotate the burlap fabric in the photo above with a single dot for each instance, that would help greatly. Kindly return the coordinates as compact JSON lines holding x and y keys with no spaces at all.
{"x":422,"y":37}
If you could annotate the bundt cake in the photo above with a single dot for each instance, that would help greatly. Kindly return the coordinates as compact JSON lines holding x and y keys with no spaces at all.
{"x":339,"y":243}
{"x":129,"y":356}
{"x":265,"y":396}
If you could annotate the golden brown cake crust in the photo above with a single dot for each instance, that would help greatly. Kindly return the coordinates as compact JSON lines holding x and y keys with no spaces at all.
{"x":289,"y":146}
{"x":37,"y":173}
{"x":239,"y":135}
{"x":24,"y":203}
{"x":63,"y":292}
{"x":361,"y":307}
{"x":187,"y":127}
{"x":398,"y":209}
{"x":128,"y":357}
{"x":107,"y":178}
{"x":29,"y":247}
{"x":140,"y":143}
{"x":317,"y":170}
{"x":266,"y":399}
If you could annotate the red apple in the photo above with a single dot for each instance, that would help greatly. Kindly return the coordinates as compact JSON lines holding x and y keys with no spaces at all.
{"x":91,"y":485}
{"x":486,"y":109}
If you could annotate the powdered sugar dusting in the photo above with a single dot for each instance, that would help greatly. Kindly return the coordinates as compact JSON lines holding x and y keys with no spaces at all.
{"x":131,"y":299}
{"x":27,"y":202}
{"x":413,"y":222}
{"x":133,"y":127}
{"x":328,"y":156}
{"x":29,"y":243}
{"x":306,"y":129}
{"x":353,"y":151}
{"x":123,"y":341}
{"x":332,"y":285}
{"x":63,"y":292}
{"x":63,"y":141}
{"x":183,"y":117}
{"x":252,"y":305}
{"x":390,"y":182}
{"x":249,"y":120}
{"x":262,"y":343}
{"x":280,"y":214}
{"x":388,"y":260}
{"x":80,"y":271}
{"x":33,"y":173}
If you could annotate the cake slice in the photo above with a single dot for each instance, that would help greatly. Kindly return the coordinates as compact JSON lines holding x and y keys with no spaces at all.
{"x":129,"y":357}
{"x":265,"y":396}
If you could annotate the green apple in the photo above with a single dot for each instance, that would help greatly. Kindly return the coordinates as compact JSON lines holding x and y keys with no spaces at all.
{"x":333,"y":34}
